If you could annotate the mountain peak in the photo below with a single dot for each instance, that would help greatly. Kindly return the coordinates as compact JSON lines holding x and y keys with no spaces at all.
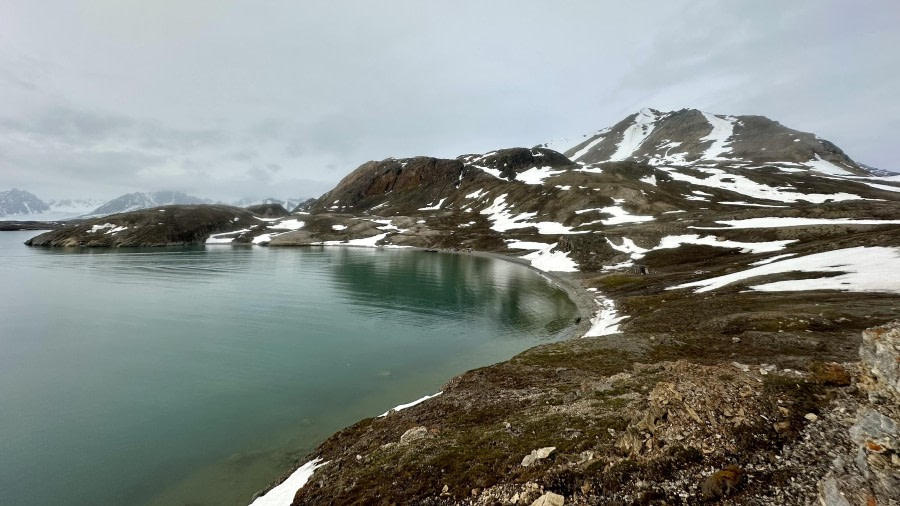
{"x":689,"y":137}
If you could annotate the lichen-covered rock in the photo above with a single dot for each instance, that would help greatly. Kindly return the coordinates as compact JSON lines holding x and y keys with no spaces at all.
{"x":873,"y":477}
{"x":549,"y":499}
{"x":880,"y":354}
{"x":721,"y":483}
{"x":536,"y":455}
{"x":414,"y":434}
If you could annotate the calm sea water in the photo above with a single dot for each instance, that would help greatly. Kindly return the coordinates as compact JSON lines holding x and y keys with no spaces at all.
{"x":198,"y":375}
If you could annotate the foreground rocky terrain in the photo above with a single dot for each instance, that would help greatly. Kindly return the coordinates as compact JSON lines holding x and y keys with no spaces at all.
{"x":730,"y":265}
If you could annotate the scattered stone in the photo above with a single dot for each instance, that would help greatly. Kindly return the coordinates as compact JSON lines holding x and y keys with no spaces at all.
{"x":735,"y":340}
{"x":537,"y":455}
{"x":414,"y":434}
{"x":742,"y":367}
{"x":830,"y":374}
{"x":811,"y":417}
{"x":549,"y":499}
{"x":721,"y":483}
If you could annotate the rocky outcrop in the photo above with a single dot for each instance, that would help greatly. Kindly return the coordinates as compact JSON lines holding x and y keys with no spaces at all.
{"x":871,"y":474}
{"x":412,"y":182}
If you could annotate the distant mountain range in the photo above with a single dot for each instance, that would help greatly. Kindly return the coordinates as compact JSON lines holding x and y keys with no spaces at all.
{"x":21,"y":204}
{"x":289,"y":203}
{"x":145,"y":200}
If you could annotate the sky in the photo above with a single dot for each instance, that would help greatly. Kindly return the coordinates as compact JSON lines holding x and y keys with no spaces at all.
{"x":229,"y":99}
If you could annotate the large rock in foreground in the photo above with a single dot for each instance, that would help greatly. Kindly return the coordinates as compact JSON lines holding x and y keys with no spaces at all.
{"x":871,"y":475}
{"x":160,"y":226}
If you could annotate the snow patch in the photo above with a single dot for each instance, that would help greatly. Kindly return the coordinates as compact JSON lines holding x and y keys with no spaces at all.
{"x":722,"y":130}
{"x":635,"y":135}
{"x":433,"y":207}
{"x":537,"y":175}
{"x":861,"y":269}
{"x":283,"y":494}
{"x":776,"y":222}
{"x":401,"y":407}
{"x":531,"y":245}
{"x":619,"y":216}
{"x":675,"y":241}
{"x":826,"y":167}
{"x":289,"y":224}
{"x":745,"y":186}
{"x":589,"y":146}
{"x":605,"y":320}
{"x":551,"y":261}
{"x":96,"y":228}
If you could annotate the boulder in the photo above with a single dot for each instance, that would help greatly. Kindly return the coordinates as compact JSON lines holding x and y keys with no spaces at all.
{"x":549,"y":499}
{"x":536,"y":455}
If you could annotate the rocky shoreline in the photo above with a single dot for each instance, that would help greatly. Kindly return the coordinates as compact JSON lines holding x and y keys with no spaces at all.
{"x":575,"y":421}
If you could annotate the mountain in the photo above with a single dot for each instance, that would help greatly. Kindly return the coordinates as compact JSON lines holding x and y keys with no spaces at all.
{"x":17,"y":202}
{"x":139,"y":200}
{"x":690,"y":137}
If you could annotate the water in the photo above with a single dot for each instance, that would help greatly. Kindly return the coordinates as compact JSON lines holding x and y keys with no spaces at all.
{"x":198,"y":375}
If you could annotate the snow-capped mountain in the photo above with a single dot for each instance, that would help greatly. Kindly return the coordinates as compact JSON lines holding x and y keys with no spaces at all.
{"x":17,"y":202}
{"x":145,"y":200}
{"x":73,"y":207}
{"x":692,"y":137}
{"x":287,"y":203}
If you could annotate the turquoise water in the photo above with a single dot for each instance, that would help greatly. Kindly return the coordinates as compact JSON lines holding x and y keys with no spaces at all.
{"x":198,"y":375}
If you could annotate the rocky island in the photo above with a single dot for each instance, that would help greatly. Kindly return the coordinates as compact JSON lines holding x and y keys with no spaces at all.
{"x":733,"y":265}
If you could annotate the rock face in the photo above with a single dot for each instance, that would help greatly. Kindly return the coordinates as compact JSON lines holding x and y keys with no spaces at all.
{"x":872,"y":474}
{"x":162,"y":226}
{"x":415,"y":182}
{"x":880,"y":354}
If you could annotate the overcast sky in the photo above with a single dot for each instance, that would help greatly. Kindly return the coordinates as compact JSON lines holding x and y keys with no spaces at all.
{"x":229,"y":99}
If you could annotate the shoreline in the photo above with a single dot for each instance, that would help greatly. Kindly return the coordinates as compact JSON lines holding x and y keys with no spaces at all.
{"x":585,"y":304}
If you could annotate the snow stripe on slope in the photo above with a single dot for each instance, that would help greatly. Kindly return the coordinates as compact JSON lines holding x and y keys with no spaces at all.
{"x":722,"y":130}
{"x":635,"y":135}
{"x":862,"y":269}
{"x":283,"y":494}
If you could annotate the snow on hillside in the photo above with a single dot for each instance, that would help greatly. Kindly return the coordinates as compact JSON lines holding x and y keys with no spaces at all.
{"x":860,"y":269}
{"x":697,"y":138}
{"x":643,"y":124}
{"x":722,"y":130}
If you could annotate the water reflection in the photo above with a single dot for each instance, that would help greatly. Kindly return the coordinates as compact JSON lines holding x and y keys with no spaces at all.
{"x":451,"y":284}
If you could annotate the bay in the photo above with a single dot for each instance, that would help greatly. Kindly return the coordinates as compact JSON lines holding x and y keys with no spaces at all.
{"x":198,"y":375}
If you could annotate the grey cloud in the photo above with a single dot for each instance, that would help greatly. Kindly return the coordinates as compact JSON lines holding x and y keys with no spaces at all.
{"x":212,"y":101}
